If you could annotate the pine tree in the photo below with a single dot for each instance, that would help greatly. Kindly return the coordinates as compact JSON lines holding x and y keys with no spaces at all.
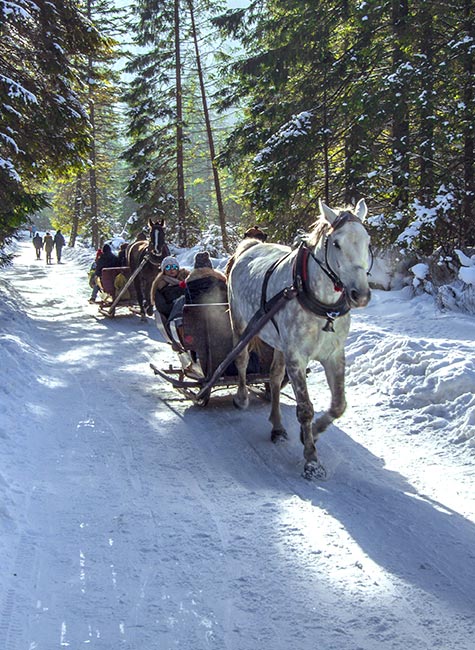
{"x":43,"y":124}
{"x":163,"y":114}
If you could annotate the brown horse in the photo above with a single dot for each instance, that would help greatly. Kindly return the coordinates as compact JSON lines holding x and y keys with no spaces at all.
{"x":154,"y":250}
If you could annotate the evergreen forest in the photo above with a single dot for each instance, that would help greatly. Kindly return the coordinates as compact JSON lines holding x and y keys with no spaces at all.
{"x":207,"y":113}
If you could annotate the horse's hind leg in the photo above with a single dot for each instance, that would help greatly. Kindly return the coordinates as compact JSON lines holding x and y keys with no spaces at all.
{"x":276,"y":375}
{"x":335,"y":374}
{"x":241,"y":398}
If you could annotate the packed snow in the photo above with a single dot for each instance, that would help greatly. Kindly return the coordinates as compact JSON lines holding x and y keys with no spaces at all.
{"x":132,"y":519}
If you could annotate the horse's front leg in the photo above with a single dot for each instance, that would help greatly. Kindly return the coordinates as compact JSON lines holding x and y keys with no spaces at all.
{"x":141,"y":298}
{"x":298,"y":378}
{"x":335,"y":374}
{"x":148,"y":304}
{"x":276,"y":375}
{"x":241,"y":398}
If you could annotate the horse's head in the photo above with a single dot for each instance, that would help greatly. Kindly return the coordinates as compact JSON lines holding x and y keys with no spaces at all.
{"x":347,"y":251}
{"x":157,"y":236}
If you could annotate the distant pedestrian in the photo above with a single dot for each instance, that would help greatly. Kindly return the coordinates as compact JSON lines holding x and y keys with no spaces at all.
{"x":59,"y":242}
{"x":38,"y":244}
{"x":48,"y":244}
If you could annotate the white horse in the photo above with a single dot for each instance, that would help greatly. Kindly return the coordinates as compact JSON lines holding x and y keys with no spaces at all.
{"x":327,"y":275}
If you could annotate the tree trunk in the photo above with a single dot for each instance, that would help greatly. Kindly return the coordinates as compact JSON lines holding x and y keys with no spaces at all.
{"x":92,"y":170}
{"x":400,"y":130}
{"x":426,"y":110}
{"x":182,"y":234}
{"x":467,"y":230}
{"x":93,"y":180}
{"x":326,"y":154}
{"x":212,"y":153}
{"x":77,"y":213}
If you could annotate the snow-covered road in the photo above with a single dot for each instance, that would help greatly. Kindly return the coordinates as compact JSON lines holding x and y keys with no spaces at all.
{"x":133,"y":520}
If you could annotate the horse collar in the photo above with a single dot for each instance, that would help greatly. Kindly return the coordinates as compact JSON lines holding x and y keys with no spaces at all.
{"x":308,"y":300}
{"x":154,"y":258}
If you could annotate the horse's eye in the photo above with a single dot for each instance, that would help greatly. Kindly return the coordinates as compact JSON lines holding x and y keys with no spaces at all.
{"x":336,"y":245}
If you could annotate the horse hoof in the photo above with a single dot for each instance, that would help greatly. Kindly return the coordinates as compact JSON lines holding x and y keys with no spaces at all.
{"x":278,"y":435}
{"x":150,"y":310}
{"x":240,"y":405}
{"x":314,"y":471}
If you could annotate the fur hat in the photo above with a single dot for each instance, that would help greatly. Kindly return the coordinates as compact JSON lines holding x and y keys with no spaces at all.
{"x":202,"y":261}
{"x":169,"y":259}
{"x":106,"y":248}
{"x":256,"y":233}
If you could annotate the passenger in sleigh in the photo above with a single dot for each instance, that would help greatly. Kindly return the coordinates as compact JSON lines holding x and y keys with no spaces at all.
{"x":205,"y":284}
{"x":106,"y":260}
{"x":168,"y":286}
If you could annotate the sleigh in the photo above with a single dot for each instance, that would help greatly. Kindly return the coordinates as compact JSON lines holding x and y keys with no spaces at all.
{"x":204,"y":335}
{"x":117,"y":294}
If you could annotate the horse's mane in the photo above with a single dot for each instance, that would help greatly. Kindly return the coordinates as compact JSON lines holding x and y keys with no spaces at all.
{"x":320,"y":228}
{"x":242,"y":246}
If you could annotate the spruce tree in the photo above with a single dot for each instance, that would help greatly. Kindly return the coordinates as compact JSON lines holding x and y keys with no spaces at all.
{"x":43,"y":124}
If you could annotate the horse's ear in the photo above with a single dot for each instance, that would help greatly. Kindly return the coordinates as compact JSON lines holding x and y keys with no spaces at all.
{"x":361,"y":210}
{"x":150,"y":223}
{"x":162,"y":223}
{"x":329,"y":214}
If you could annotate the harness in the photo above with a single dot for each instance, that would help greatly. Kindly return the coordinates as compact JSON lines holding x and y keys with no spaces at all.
{"x":306,"y":297}
{"x":300,"y":281}
{"x":153,"y":258}
{"x":156,"y":258}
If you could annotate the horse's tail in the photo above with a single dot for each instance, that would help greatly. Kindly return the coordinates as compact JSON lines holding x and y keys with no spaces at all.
{"x":243,"y":246}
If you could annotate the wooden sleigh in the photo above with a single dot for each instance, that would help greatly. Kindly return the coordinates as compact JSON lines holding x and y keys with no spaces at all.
{"x":205,"y":336}
{"x":117,"y":296}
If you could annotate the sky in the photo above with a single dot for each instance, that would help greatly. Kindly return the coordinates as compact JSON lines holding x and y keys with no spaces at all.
{"x":131,"y":519}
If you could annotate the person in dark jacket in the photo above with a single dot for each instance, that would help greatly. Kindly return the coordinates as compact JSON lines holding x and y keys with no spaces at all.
{"x":59,"y":242}
{"x":123,"y":254}
{"x":205,"y":284}
{"x":93,"y":277}
{"x":106,"y":261}
{"x":38,"y":244}
{"x":168,"y":285}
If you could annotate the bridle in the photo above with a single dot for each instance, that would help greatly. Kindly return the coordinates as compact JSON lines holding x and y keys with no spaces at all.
{"x":155,"y":246}
{"x":340,"y":221}
{"x":300,"y":280}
